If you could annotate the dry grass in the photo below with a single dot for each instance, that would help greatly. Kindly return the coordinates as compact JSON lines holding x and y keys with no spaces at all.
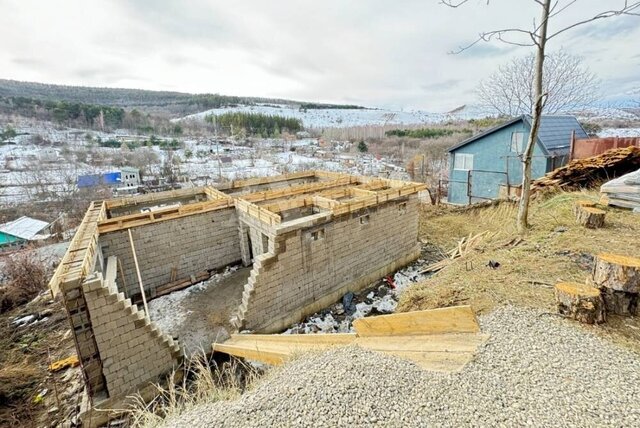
{"x":528,"y":269}
{"x":202,"y":384}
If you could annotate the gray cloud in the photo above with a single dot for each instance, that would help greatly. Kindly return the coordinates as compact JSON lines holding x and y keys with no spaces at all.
{"x":376,"y":53}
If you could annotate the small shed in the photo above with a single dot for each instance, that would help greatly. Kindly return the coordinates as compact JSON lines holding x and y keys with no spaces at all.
{"x":23,"y":229}
{"x":488,"y":165}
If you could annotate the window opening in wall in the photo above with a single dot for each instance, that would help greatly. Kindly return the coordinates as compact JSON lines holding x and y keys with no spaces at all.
{"x":317,"y":235}
{"x":402,"y":208}
{"x":463,"y":161}
{"x":265,"y":243}
{"x":364,"y":219}
{"x":517,"y":142}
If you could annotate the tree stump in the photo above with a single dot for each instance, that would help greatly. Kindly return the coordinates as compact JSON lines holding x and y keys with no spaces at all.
{"x":577,"y":207}
{"x":580,"y":302}
{"x":619,"y":302}
{"x":617,"y":272}
{"x":618,"y":277}
{"x":589,"y":217}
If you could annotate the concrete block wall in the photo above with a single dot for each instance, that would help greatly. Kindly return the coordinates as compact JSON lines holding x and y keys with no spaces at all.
{"x":133,"y":350}
{"x":310,"y":268}
{"x":188,"y":245}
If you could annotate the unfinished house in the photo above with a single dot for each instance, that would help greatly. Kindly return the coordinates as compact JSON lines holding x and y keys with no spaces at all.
{"x":304,"y":239}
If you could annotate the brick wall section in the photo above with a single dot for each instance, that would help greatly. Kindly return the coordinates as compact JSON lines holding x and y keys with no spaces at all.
{"x":306,"y":272}
{"x":190,"y":245}
{"x":133,"y":350}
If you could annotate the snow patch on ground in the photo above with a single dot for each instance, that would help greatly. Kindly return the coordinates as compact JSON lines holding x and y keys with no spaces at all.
{"x":168,"y":313}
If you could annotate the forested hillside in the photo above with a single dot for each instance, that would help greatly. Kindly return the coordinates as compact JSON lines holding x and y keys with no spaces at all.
{"x":170,"y":103}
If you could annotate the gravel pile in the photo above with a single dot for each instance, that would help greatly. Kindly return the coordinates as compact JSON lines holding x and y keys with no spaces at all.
{"x":537,"y":370}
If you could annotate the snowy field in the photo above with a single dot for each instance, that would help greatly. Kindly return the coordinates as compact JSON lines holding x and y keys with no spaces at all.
{"x":345,"y":118}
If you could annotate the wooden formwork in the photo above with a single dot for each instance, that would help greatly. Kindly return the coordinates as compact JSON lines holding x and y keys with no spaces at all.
{"x":169,"y":213}
{"x":161,"y":196}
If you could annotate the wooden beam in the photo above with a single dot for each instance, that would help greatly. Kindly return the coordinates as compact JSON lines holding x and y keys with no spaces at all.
{"x":170,"y":213}
{"x":297,"y":190}
{"x":154,"y":197}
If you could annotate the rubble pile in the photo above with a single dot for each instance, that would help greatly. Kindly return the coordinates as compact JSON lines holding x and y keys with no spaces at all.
{"x":380,"y":299}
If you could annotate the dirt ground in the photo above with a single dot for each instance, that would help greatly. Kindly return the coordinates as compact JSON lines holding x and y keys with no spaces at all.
{"x":555,"y":249}
{"x":199,"y":315}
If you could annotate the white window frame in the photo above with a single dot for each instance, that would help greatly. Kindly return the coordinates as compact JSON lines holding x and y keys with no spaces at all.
{"x":463,"y":161}
{"x":517,"y":144}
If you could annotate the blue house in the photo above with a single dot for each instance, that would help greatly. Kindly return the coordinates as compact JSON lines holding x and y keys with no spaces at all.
{"x":487,"y":166}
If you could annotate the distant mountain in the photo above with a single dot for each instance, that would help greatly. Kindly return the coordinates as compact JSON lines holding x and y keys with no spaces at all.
{"x":172,"y":103}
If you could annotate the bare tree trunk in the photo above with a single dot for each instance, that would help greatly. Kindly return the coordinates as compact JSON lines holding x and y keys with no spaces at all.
{"x":523,"y":209}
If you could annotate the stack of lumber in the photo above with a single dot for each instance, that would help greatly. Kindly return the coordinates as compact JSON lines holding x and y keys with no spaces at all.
{"x":465,"y":245}
{"x":587,"y":172}
{"x":441,"y":340}
{"x":623,"y":191}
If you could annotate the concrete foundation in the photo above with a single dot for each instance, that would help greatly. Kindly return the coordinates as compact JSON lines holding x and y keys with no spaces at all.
{"x":309,"y":238}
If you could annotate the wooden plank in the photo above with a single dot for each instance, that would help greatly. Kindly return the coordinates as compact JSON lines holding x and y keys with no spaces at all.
{"x":250,"y":353}
{"x":333,"y":338}
{"x":460,"y":342}
{"x":457,"y":319}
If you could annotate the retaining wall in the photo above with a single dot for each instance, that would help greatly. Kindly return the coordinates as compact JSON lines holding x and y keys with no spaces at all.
{"x":174,"y":249}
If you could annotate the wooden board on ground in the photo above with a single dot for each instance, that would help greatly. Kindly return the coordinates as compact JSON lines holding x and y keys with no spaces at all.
{"x":442,"y":340}
{"x":457,"y":319}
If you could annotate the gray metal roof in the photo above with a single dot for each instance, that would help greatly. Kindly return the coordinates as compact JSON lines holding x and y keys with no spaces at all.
{"x":554,"y":133}
{"x":24,"y":227}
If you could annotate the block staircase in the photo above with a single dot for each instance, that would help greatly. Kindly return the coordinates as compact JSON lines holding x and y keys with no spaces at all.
{"x":237,"y":319}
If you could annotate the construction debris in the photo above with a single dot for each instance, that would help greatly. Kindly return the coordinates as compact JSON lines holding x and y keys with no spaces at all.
{"x":64,"y":363}
{"x":584,"y":173}
{"x":623,"y":191}
{"x":465,"y":245}
{"x":442,"y":340}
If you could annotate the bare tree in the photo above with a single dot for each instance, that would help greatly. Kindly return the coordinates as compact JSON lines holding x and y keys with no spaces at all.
{"x":566,"y":81}
{"x":537,"y":37}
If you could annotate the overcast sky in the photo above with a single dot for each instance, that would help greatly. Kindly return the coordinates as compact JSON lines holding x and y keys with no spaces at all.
{"x":386,"y":53}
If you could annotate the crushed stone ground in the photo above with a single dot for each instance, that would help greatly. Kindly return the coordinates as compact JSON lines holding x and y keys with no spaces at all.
{"x":536,"y":370}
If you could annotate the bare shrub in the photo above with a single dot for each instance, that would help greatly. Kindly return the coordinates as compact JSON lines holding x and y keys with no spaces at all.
{"x":26,"y":277}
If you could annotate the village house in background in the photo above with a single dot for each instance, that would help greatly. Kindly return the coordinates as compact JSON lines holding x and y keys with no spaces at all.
{"x":487,"y":166}
{"x":127,"y":180}
{"x":22,"y":230}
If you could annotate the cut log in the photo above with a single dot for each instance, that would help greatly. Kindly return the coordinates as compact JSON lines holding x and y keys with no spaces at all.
{"x":580,"y":302}
{"x":617,"y":272}
{"x":619,"y":302}
{"x":592,"y":218}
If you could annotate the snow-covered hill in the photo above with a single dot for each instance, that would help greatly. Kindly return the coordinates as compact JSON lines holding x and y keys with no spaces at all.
{"x":343,"y":118}
{"x":346,"y":118}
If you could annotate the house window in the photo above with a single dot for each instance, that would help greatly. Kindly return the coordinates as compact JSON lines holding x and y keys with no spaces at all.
{"x":364,"y":219}
{"x":463,"y":161}
{"x":402,"y":208}
{"x":517,"y":142}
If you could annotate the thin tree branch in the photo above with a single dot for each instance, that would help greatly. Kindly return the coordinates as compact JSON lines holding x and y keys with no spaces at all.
{"x":628,"y":9}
